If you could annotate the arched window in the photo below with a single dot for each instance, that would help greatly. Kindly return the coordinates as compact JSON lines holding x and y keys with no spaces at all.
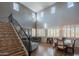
{"x":16,"y":6}
{"x":53,"y":10}
{"x":70,"y":4}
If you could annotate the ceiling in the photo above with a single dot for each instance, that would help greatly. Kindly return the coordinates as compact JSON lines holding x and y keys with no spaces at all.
{"x":37,"y":6}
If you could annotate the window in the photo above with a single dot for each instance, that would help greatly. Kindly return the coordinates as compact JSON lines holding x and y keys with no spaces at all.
{"x":53,"y":10}
{"x":68,"y":31}
{"x":77,"y":32}
{"x":40,"y":32}
{"x":64,"y":31}
{"x":33,"y":15}
{"x":38,"y":17}
{"x":70,"y":4}
{"x":16,"y":6}
{"x":33,"y":32}
{"x":50,"y":32}
{"x":72,"y":31}
{"x":57,"y":32}
{"x":54,"y":32}
{"x":42,"y":14}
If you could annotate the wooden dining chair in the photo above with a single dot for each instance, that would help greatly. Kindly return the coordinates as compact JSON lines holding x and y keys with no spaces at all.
{"x":60,"y":45}
{"x":70,"y":47}
{"x":50,"y":40}
{"x":54,"y":42}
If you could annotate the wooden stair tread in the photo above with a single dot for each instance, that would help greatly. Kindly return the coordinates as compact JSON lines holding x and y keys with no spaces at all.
{"x":9,"y":42}
{"x":18,"y":53}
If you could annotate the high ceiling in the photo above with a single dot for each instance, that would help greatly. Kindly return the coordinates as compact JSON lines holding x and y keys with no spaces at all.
{"x":37,"y":6}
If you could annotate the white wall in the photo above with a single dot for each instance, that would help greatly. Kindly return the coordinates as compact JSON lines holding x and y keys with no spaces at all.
{"x":63,"y":16}
{"x":24,"y":16}
{"x":5,"y":9}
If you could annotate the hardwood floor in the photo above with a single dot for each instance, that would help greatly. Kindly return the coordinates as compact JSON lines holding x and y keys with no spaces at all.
{"x":45,"y":49}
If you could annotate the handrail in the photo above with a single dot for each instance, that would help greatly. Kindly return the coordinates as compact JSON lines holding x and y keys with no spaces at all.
{"x":19,"y":25}
{"x":11,"y":19}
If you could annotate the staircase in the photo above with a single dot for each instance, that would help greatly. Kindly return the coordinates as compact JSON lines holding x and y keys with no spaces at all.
{"x":10,"y":45}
